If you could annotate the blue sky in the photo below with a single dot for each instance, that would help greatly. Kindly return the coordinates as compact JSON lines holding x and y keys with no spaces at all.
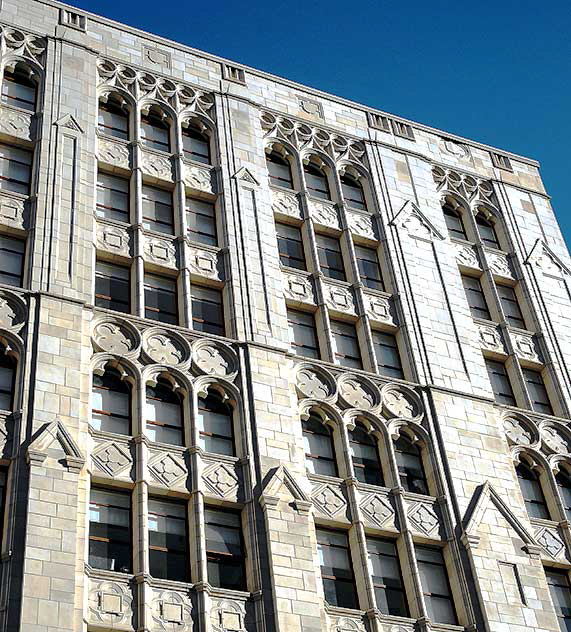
{"x":496,"y":72}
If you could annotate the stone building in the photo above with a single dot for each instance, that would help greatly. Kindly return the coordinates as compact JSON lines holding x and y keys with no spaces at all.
{"x":271,"y":361}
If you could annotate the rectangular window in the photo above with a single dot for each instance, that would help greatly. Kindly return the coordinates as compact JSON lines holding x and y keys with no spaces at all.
{"x":112,"y":197}
{"x":224,"y":549}
{"x":157,"y":210}
{"x":18,"y":90}
{"x":303,"y":334}
{"x":558,"y":582}
{"x":161,"y":299}
{"x":207,"y":310}
{"x":369,"y":269}
{"x":168,"y":540}
{"x":387,"y":354}
{"x":347,"y":352}
{"x":110,"y":530}
{"x":402,"y":129}
{"x":12,"y":252}
{"x":336,"y":568}
{"x":201,"y":221}
{"x":501,"y":385}
{"x":290,"y":246}
{"x":112,"y":287}
{"x":476,"y":298}
{"x":435,"y":585}
{"x":112,"y":120}
{"x":385,"y":572}
{"x":537,"y":392}
{"x":510,"y":305}
{"x":15,"y":169}
{"x":501,"y":162}
{"x":155,"y":133}
{"x":330,"y":257}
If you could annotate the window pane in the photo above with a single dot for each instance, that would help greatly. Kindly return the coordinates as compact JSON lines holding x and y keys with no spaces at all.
{"x":110,"y":530}
{"x":303,"y":334}
{"x":353,"y":193}
{"x":385,"y":573}
{"x":279,"y":170}
{"x":164,"y":415}
{"x":15,"y":169}
{"x":347,"y":352}
{"x":157,"y":210}
{"x":369,"y":269}
{"x":316,"y":182}
{"x":558,"y":582}
{"x":112,"y":197}
{"x":487,"y":231}
{"x":215,"y":425}
{"x":532,"y":492}
{"x":410,"y":466}
{"x":113,"y":121}
{"x":501,"y":385}
{"x":111,"y":403}
{"x":168,"y":540}
{"x":207,"y":310}
{"x":365,"y":456}
{"x":195,"y":145}
{"x":336,"y":568}
{"x":112,"y":287}
{"x":454,"y":223}
{"x":510,"y":305}
{"x":330,"y":257}
{"x":224,"y":552}
{"x":12,"y":260}
{"x":290,"y":246}
{"x":160,"y":299}
{"x":201,"y":221}
{"x":435,"y":586}
{"x":564,"y":484}
{"x":387,"y":355}
{"x":19,"y":90}
{"x":537,"y":392}
{"x":155,"y":133}
{"x":319,"y":448}
{"x":475,"y":297}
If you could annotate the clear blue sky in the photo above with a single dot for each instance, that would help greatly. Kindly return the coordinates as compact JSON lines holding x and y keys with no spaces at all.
{"x":496,"y":72}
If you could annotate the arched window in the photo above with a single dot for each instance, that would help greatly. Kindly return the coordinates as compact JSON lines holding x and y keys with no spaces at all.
{"x":316,"y":181}
{"x":195,"y":144}
{"x":454,"y":222}
{"x":564,"y":484}
{"x":353,"y":193}
{"x":279,"y":169}
{"x":319,"y":448}
{"x":164,"y":414}
{"x":7,"y":380}
{"x":532,"y":491}
{"x":487,"y":231}
{"x":410,"y":467}
{"x":215,"y":427}
{"x":111,"y":403}
{"x":155,"y":130}
{"x":365,"y":455}
{"x":113,"y":118}
{"x":18,"y":88}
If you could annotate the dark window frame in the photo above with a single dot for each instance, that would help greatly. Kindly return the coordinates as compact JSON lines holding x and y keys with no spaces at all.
{"x":387,"y":370}
{"x":152,"y":119}
{"x":454,"y":222}
{"x":201,"y":236}
{"x":107,"y":212}
{"x":331,"y":261}
{"x":229,"y":412}
{"x":169,"y":396}
{"x":296,"y":260}
{"x":114,"y":108}
{"x":171,"y":317}
{"x":429,"y":595}
{"x":116,"y":377}
{"x":275,"y":179}
{"x":17,"y":77}
{"x":317,"y":173}
{"x":335,"y":579}
{"x":348,"y":186}
{"x":106,"y":301}
{"x":476,"y":297}
{"x":315,"y":426}
{"x":366,"y":470}
{"x":227,"y":558}
{"x":20,"y":255}
{"x":372,"y":282}
{"x":170,"y":551}
{"x":535,"y":506}
{"x":400,"y":588}
{"x":296,"y":313}
{"x":539,"y":406}
{"x":563,"y":617}
{"x":217,"y":328}
{"x":501,"y":397}
{"x":416,"y":483}
{"x":192,"y":132}
{"x":482,"y":222}
{"x":355,"y":361}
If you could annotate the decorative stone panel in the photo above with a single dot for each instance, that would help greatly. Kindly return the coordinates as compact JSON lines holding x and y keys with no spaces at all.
{"x":205,"y":263}
{"x":358,"y":392}
{"x":157,"y":166}
{"x":466,"y":256}
{"x":13,"y":211}
{"x":380,"y":309}
{"x":424,"y":517}
{"x":286,"y":203}
{"x":164,"y":347}
{"x":111,"y":603}
{"x":112,"y":458}
{"x":221,"y":480}
{"x":171,"y":611}
{"x":339,"y":298}
{"x":112,"y":238}
{"x":550,"y":541}
{"x":465,"y":185}
{"x":401,"y":402}
{"x":200,"y":178}
{"x":228,"y":615}
{"x":520,"y":430}
{"x":526,"y":346}
{"x":298,"y":288}
{"x":168,"y":468}
{"x":16,"y":123}
{"x":324,"y":214}
{"x":214,"y":358}
{"x":456,"y":149}
{"x":114,"y":153}
{"x":499,"y":264}
{"x":361,"y":224}
{"x":315,"y":382}
{"x":329,"y":500}
{"x":378,"y":510}
{"x":116,"y":336}
{"x":491,"y":338}
{"x":162,"y":252}
{"x":556,"y":437}
{"x":13,"y":312}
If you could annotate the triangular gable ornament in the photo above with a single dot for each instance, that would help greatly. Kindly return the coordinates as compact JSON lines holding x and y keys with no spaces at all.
{"x":37,"y":451}
{"x":544,"y":258}
{"x":272,"y":493}
{"x":245,"y":177}
{"x":411,"y":219}
{"x":483,"y":496}
{"x":69,"y":122}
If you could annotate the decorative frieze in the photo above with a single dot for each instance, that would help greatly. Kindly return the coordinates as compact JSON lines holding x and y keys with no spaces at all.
{"x":491,"y":337}
{"x":205,"y":263}
{"x":466,"y":256}
{"x":111,"y":603}
{"x":361,"y":224}
{"x":324,"y":214}
{"x":298,"y":288}
{"x":112,"y":458}
{"x":214,"y":358}
{"x":13,"y":312}
{"x":114,"y":153}
{"x":380,"y":309}
{"x":329,"y":499}
{"x":315,"y":382}
{"x":526,"y":346}
{"x":221,"y":480}
{"x":171,"y":611}
{"x":467,"y":186}
{"x":358,"y":392}
{"x":378,"y":510}
{"x":339,"y":298}
{"x":157,"y":166}
{"x":424,"y":517}
{"x":160,"y":251}
{"x":168,"y":468}
{"x":199,"y":178}
{"x":286,"y":203}
{"x":164,"y":347}
{"x":401,"y":402}
{"x":114,"y":239}
{"x":499,"y":264}
{"x":16,"y":123}
{"x":116,"y":336}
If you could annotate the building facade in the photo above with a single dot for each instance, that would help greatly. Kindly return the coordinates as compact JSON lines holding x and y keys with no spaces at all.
{"x":270,"y":361}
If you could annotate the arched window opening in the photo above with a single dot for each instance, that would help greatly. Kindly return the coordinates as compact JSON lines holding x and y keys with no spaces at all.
{"x":454,"y":222}
{"x":113,"y":117}
{"x":365,"y":455}
{"x":164,"y":414}
{"x":319,"y":447}
{"x":111,"y":403}
{"x":316,"y":181}
{"x":215,"y":427}
{"x":410,"y":467}
{"x":532,"y":491}
{"x":353,"y":193}
{"x":487,"y":231}
{"x":279,"y":169}
{"x":155,"y":129}
{"x":19,"y":88}
{"x":196,"y":144}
